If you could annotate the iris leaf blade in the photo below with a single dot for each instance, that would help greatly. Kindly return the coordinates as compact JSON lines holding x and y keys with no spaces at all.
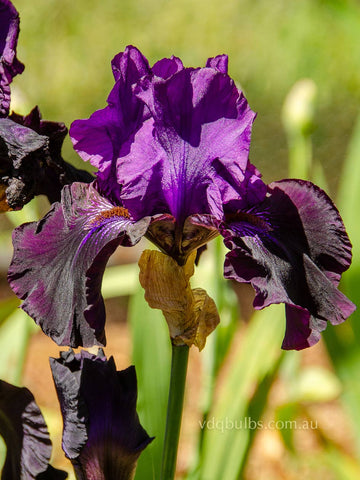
{"x":151,"y":356}
{"x":343,"y":343}
{"x":225,"y":451}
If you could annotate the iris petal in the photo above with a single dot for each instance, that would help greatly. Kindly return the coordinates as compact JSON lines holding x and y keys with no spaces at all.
{"x":102,"y":434}
{"x":199,"y":120}
{"x":59,"y":262}
{"x":9,"y":64}
{"x":220,"y":63}
{"x":26,"y":436}
{"x":99,"y":138}
{"x":31,"y":162}
{"x":292,"y":248}
{"x":166,"y":67}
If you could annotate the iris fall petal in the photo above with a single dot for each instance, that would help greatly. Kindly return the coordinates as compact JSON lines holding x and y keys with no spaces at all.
{"x":59,"y":262}
{"x":292,"y":248}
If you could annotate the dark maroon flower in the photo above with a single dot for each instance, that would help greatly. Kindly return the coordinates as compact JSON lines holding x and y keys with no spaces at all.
{"x":9,"y":64}
{"x":172,"y":151}
{"x":102,"y":434}
{"x":26,"y":436}
{"x":30,"y":160}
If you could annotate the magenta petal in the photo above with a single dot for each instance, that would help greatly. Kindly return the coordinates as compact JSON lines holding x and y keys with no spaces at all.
{"x":200,"y":121}
{"x":292,"y":248}
{"x":59,"y":262}
{"x":9,"y":64}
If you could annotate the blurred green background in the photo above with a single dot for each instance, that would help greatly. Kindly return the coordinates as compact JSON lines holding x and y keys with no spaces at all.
{"x":67,"y":47}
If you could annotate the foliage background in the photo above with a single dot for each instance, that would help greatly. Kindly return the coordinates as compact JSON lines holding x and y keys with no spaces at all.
{"x":67,"y":47}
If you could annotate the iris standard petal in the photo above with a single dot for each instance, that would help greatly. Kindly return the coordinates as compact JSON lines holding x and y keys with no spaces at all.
{"x":99,"y":138}
{"x":102,"y":434}
{"x":26,"y":436}
{"x":292,"y":248}
{"x":9,"y":64}
{"x":199,"y":121}
{"x":59,"y":262}
{"x":166,"y":67}
{"x":220,"y":63}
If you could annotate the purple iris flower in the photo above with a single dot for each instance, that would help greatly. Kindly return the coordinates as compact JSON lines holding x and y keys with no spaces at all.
{"x":172,"y":153}
{"x":9,"y":64}
{"x":102,"y":434}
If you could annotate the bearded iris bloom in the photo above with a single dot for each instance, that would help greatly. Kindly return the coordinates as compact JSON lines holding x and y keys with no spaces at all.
{"x":172,"y":153}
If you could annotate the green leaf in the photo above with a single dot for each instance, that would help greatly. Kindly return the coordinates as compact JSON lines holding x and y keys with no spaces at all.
{"x":256,"y":409}
{"x":343,"y":341}
{"x":209,"y":275}
{"x":121,"y":280}
{"x":343,"y":466}
{"x":15,"y":335}
{"x":228,"y":431}
{"x":152,"y":357}
{"x":7,"y":306}
{"x":284,"y":414}
{"x":348,"y":198}
{"x":348,"y":202}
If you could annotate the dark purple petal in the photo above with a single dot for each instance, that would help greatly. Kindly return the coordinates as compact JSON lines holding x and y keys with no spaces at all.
{"x":220,"y":63}
{"x":292,"y":248}
{"x":55,"y":131}
{"x":59,"y":262}
{"x":22,"y":151}
{"x":99,"y":138}
{"x":26,"y":436}
{"x":302,"y":329}
{"x":200,"y":121}
{"x":102,"y":434}
{"x":251,"y":191}
{"x":9,"y":64}
{"x":129,"y":66}
{"x":166,"y":67}
{"x":67,"y":376}
{"x":31,"y":162}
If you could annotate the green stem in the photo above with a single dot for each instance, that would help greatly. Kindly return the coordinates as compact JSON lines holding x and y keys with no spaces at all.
{"x":179,"y":361}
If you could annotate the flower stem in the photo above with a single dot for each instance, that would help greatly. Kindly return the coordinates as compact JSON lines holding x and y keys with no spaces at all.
{"x":179,"y":361}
